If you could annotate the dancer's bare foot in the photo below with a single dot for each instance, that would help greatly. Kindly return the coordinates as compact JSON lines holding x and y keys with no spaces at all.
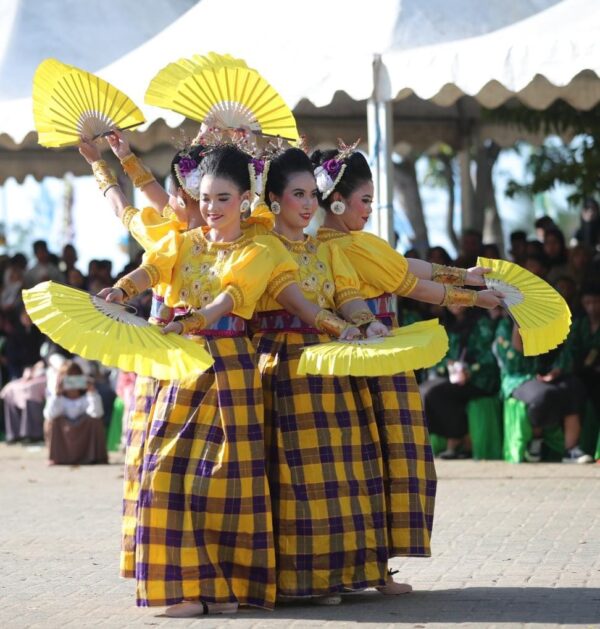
{"x":392,"y":588}
{"x":190,"y":609}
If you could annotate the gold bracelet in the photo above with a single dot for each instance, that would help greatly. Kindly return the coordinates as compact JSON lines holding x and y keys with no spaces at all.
{"x":139,"y":175}
{"x":104,"y":177}
{"x":443,"y":274}
{"x":128,"y":213}
{"x":127,"y":285}
{"x":454,"y":296}
{"x":192,"y":322}
{"x":329,"y":323}
{"x":362,"y":317}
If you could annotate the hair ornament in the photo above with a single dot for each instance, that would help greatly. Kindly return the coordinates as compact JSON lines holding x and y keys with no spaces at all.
{"x":329,"y":173}
{"x":187,"y":171}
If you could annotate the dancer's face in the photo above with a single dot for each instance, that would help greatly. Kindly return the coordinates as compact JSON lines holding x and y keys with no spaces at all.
{"x":298,"y":201}
{"x":358,"y":206}
{"x":220,"y":201}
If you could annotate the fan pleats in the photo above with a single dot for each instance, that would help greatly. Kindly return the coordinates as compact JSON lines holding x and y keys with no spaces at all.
{"x":543,"y":317}
{"x":71,"y":319}
{"x":415,"y":346}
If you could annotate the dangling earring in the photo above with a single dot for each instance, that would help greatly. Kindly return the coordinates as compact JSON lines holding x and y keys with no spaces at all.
{"x":244,"y":206}
{"x":181,"y":202}
{"x":338,"y":207}
{"x":275,"y":207}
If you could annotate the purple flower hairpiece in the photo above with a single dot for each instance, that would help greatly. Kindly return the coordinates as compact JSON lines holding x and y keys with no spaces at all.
{"x":186,"y":165}
{"x":259,"y":166}
{"x":333,"y":167}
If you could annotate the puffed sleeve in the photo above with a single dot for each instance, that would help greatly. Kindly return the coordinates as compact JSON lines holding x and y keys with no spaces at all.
{"x":245,"y":277}
{"x":148,"y":226}
{"x":158,"y":262}
{"x":379,"y":265}
{"x":284,"y":266}
{"x":346,"y":280}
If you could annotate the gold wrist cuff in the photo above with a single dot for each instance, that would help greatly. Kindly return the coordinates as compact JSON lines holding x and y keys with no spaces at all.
{"x":152,"y":272}
{"x":454,"y":296}
{"x":127,"y":285}
{"x":193,"y":322}
{"x":128,"y":213}
{"x":104,"y":176}
{"x":329,"y":323}
{"x":136,"y":171}
{"x":443,"y":274}
{"x":362,"y":317}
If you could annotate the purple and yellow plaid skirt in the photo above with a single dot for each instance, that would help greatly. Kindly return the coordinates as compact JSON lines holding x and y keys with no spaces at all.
{"x":203,"y":526}
{"x":325,"y":469}
{"x":409,"y":471}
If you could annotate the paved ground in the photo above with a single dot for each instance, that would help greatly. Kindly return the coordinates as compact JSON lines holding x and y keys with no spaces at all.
{"x":515,"y":545}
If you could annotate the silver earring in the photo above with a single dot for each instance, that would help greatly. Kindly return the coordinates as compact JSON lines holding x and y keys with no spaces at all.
{"x":181,"y":202}
{"x":338,"y":207}
{"x":244,"y":206}
{"x":275,"y":207}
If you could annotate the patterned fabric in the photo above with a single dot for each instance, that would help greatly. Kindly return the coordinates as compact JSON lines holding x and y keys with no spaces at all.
{"x":137,"y":428}
{"x":515,"y":368}
{"x":472,"y":347}
{"x":204,"y":527}
{"x":324,"y":465}
{"x":409,"y":469}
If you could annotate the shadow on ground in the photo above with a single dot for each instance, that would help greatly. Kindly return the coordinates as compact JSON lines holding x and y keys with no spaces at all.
{"x":478,"y":605}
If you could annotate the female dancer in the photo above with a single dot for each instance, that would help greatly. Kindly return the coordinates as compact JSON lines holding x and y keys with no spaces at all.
{"x":147,"y":226}
{"x":324,"y":455}
{"x":346,"y":194}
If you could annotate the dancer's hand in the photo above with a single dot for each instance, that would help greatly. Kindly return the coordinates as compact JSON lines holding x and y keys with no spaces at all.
{"x":176,"y":327}
{"x":475,"y":275}
{"x":351,"y":333}
{"x":118,"y":144}
{"x":112,"y":295}
{"x":89,"y":150}
{"x":376,"y":328}
{"x":489,"y":298}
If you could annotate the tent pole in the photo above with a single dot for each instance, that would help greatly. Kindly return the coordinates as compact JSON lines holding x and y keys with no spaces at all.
{"x":380,"y":130}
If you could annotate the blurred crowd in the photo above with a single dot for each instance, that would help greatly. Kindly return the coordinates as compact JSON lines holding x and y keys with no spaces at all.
{"x":48,"y":394}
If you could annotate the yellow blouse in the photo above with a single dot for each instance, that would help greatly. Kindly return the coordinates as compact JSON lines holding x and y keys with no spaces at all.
{"x":380,"y":268}
{"x":196,"y":270}
{"x":325,"y":275}
{"x":148,"y":225}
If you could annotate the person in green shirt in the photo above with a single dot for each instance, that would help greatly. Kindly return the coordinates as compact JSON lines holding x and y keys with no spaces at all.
{"x":586,"y":342}
{"x":468,"y":371}
{"x":546,"y":385}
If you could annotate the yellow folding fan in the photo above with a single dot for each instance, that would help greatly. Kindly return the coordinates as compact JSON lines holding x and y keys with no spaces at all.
{"x":415,"y":346}
{"x":108,"y":332}
{"x":221,"y":91}
{"x":69,"y":103}
{"x":541,"y":313}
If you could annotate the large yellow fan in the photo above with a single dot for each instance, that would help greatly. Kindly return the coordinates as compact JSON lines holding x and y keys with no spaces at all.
{"x":69,"y":103}
{"x":542,"y":315}
{"x":415,"y":346}
{"x":223,"y":92}
{"x":107,"y":332}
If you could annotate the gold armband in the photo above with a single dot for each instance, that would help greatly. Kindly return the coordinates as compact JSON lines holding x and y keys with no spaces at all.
{"x":345,"y":295}
{"x":127,"y":285}
{"x":136,"y":171}
{"x":192,"y":322}
{"x":152,"y":272}
{"x":104,"y":177}
{"x":454,"y":296}
{"x":362,"y":317}
{"x":128,"y":213}
{"x":443,"y":274}
{"x":329,"y":323}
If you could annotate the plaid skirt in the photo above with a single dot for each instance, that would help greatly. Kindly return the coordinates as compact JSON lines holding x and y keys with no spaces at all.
{"x":203,"y":526}
{"x":410,"y":477}
{"x":138,"y":424}
{"x":325,"y":470}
